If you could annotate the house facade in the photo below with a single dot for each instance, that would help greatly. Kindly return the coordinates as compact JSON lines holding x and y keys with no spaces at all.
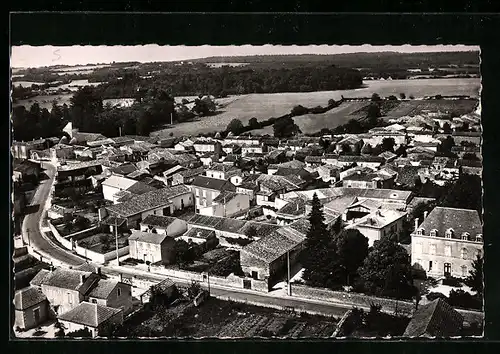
{"x":164,"y":225}
{"x":151,"y":247}
{"x":206,"y":189}
{"x":31,"y":308}
{"x":447,"y":242}
{"x":111,"y":293}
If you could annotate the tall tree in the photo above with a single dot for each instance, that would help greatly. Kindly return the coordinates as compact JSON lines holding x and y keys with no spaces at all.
{"x":318,"y":252}
{"x":351,"y":251}
{"x":86,"y":104}
{"x":465,"y":193}
{"x":235,"y":126}
{"x":285,"y":127}
{"x":475,"y":278}
{"x":388,"y":144}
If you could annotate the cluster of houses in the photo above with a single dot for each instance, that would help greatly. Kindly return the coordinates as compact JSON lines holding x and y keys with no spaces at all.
{"x":210,"y":192}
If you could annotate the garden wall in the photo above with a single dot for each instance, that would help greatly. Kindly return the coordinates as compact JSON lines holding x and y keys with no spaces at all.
{"x":388,"y":305}
{"x":63,"y":241}
{"x":100,"y":257}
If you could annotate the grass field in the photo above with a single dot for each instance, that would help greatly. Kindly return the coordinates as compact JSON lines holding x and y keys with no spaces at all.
{"x":265,"y":106}
{"x":412,"y":108}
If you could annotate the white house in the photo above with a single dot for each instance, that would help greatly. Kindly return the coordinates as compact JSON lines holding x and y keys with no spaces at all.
{"x":114,"y":184}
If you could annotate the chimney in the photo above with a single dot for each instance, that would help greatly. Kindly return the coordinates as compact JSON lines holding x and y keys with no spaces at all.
{"x":98,"y":271}
{"x":416,"y":224}
{"x":425,"y":214}
{"x":198,"y":234}
{"x":121,"y":277}
{"x":82,"y":278}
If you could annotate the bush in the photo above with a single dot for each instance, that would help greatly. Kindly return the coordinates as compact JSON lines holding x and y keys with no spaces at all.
{"x":81,"y":333}
{"x":460,"y":298}
{"x":452,"y":281}
{"x":435,"y":295}
{"x":299,"y":110}
{"x":238,"y":241}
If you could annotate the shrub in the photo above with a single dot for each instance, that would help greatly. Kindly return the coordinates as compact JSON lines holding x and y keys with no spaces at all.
{"x":435,"y":295}
{"x":81,"y":333}
{"x":238,"y":241}
{"x":194,"y":289}
{"x":460,"y":298}
{"x":452,"y":281}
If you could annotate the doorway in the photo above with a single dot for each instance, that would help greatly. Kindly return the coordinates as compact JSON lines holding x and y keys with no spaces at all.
{"x":447,"y":269}
{"x":247,"y":284}
{"x":36,"y":315}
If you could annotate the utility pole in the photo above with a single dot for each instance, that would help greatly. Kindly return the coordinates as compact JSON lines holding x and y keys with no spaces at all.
{"x":208,"y":280}
{"x":171,"y":118}
{"x":289,"y":286}
{"x":116,"y":241}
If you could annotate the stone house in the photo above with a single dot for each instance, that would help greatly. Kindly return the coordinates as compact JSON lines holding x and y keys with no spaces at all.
{"x":151,"y":247}
{"x":447,"y":241}
{"x":31,"y":308}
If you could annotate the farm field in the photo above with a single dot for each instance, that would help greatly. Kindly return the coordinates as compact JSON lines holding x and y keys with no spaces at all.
{"x":218,"y":318}
{"x":44,"y":101}
{"x":414,"y":107}
{"x":265,"y":106}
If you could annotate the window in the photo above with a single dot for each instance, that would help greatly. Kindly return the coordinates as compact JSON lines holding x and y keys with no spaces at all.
{"x":465,"y":236}
{"x":420,"y":232}
{"x":432,"y":249}
{"x":479,"y":238}
{"x":70,"y":298}
{"x":464,"y":271}
{"x":434,"y":232}
{"x":463,"y":253}
{"x":447,"y":251}
{"x":204,"y":203}
{"x":94,"y":301}
{"x":238,"y":205}
{"x":418,"y":248}
{"x":449,"y":233}
{"x":430,"y":265}
{"x":204,"y":193}
{"x":197,"y":192}
{"x":119,"y":292}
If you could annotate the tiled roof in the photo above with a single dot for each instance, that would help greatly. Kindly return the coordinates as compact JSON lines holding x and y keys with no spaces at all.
{"x":295,"y":207}
{"x":69,"y":279}
{"x":124,"y":169}
{"x":174,"y":170}
{"x":407,"y":175}
{"x":196,"y":232}
{"x":147,"y":237}
{"x":213,"y":183}
{"x":39,"y":277}
{"x":192,"y":172}
{"x":122,"y":139}
{"x":220,"y":167}
{"x":387,"y":155}
{"x":87,"y":314}
{"x":26,"y":166}
{"x":217,"y":223}
{"x":28,"y":297}
{"x":85,"y":137}
{"x":274,"y":245}
{"x":380,"y":218}
{"x":225,"y":197}
{"x":263,"y":229}
{"x":289,"y":164}
{"x":372,"y":193}
{"x":138,"y":173}
{"x":148,"y":201}
{"x":350,"y":140}
{"x":139,"y":188}
{"x":79,"y":165}
{"x":276,"y":183}
{"x":459,"y":220}
{"x":103,"y":288}
{"x":313,"y":159}
{"x":435,"y":319}
{"x":113,"y":220}
{"x":158,"y":221}
{"x":354,"y":158}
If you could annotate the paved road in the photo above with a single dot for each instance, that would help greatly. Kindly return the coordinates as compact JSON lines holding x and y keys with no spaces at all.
{"x":31,"y":224}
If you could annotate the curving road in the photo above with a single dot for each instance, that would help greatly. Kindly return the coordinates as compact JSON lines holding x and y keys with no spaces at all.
{"x":31,"y":232}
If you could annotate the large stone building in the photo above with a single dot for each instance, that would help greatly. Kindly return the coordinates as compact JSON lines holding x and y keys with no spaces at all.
{"x":447,"y":241}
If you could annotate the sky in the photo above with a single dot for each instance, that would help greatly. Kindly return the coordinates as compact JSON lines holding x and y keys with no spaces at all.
{"x":30,"y":56}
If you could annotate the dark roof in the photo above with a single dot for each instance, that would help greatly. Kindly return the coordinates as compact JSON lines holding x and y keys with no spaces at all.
{"x":435,"y":319}
{"x":103,"y":288}
{"x":263,"y":229}
{"x":470,"y":163}
{"x":70,"y":279}
{"x":353,"y":158}
{"x":147,"y":237}
{"x":220,"y":167}
{"x":213,"y":183}
{"x":460,"y":220}
{"x":192,"y":172}
{"x":28,"y":297}
{"x":113,"y":220}
{"x":225,"y":197}
{"x":217,"y":223}
{"x":26,"y":166}
{"x":313,"y":159}
{"x":158,"y":221}
{"x":91,"y":315}
{"x":196,"y":232}
{"x":140,"y":188}
{"x":122,"y":139}
{"x":124,"y":169}
{"x":148,"y":201}
{"x":40,"y":277}
{"x":85,"y":137}
{"x":295,"y":207}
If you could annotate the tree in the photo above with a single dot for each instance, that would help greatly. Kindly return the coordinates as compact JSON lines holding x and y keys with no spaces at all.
{"x":366,"y":149}
{"x":351,"y":251}
{"x":386,"y":271}
{"x":412,"y":97}
{"x":466,"y":193}
{"x":285,"y":127}
{"x":388,"y":144}
{"x":332,"y":103}
{"x":251,"y":232}
{"x":194,"y":289}
{"x":373,"y":114}
{"x":471,"y":156}
{"x":85,"y":106}
{"x":235,"y":126}
{"x":447,"y":144}
{"x":299,"y":110}
{"x":402,"y":96}
{"x":376,"y":98}
{"x":184,"y":254}
{"x":475,"y":278}
{"x":392,"y":98}
{"x":318,"y":247}
{"x":401,"y":151}
{"x":253,"y":123}
{"x":447,"y":128}
{"x":81,"y":333}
